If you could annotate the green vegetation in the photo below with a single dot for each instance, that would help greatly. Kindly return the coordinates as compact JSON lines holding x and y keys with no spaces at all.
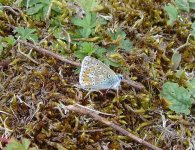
{"x":181,"y":98}
{"x":151,"y":43}
{"x":16,"y":145}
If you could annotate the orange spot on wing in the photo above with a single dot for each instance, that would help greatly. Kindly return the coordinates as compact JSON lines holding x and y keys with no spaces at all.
{"x":86,"y":78}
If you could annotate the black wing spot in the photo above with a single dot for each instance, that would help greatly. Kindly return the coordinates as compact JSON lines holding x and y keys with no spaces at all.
{"x":109,"y":75}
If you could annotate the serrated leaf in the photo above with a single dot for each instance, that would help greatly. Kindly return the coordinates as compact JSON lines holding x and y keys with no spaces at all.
{"x":89,"y":21}
{"x":39,"y":9}
{"x":35,"y":9}
{"x":100,"y":52}
{"x":172,"y":13}
{"x":85,"y":49}
{"x":10,"y":40}
{"x":183,"y":5}
{"x":179,"y":97}
{"x":87,"y":24}
{"x":26,"y":34}
{"x":85,"y":32}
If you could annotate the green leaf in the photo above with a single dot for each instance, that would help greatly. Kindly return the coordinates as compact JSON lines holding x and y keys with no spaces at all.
{"x":35,"y":9}
{"x":109,"y":62}
{"x":192,"y":83}
{"x":58,"y":33}
{"x":126,"y":45}
{"x":179,"y":97}
{"x":86,"y":24}
{"x":38,"y":9}
{"x":25,"y":143}
{"x":26,"y":34}
{"x":193,"y":25}
{"x":10,"y":40}
{"x":172,"y":13}
{"x":100,"y":52}
{"x":176,"y":59}
{"x":17,"y":145}
{"x":191,"y":1}
{"x":14,"y":144}
{"x":183,"y":5}
{"x":118,"y":33}
{"x":85,"y":49}
{"x":34,"y":2}
{"x":85,"y":32}
{"x":192,"y":6}
{"x":89,"y":21}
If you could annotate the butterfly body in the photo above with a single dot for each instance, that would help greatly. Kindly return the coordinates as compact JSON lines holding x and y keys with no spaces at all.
{"x":95,"y":76}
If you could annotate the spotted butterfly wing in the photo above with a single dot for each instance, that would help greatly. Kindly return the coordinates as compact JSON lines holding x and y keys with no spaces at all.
{"x":95,"y":75}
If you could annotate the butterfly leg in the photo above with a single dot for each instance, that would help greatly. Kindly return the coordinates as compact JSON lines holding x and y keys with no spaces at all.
{"x":89,"y":92}
{"x":100,"y":92}
{"x":117,"y":93}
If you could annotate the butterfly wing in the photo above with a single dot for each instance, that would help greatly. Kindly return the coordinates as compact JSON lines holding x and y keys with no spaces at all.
{"x":95,"y":75}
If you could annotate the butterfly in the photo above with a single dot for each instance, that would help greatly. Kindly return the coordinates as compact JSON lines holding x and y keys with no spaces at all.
{"x":95,"y":76}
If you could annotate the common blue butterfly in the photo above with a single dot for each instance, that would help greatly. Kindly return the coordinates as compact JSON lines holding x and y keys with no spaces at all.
{"x":95,"y":76}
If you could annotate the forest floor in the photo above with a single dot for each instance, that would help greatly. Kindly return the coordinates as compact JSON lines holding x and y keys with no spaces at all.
{"x":150,"y":43}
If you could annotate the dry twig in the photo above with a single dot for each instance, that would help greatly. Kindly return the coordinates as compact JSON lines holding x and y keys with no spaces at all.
{"x":59,"y":57}
{"x":95,"y":116}
{"x":49,"y":53}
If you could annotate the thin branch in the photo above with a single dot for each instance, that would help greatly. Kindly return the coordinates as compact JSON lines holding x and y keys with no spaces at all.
{"x":93,"y":130}
{"x":49,"y":53}
{"x":95,"y":111}
{"x":57,"y":56}
{"x":86,"y":111}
